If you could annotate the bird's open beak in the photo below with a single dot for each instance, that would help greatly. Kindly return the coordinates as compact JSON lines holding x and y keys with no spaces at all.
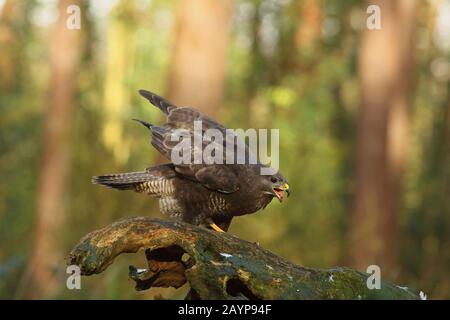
{"x":279,"y":191}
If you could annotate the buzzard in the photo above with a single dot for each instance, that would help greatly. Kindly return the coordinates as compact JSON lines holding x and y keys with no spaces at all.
{"x":208,"y":194}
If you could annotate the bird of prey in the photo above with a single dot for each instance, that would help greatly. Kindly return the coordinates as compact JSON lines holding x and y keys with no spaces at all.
{"x":201,"y":194}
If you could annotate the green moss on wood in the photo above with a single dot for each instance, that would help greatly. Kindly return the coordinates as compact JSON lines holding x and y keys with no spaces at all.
{"x":216,"y":265}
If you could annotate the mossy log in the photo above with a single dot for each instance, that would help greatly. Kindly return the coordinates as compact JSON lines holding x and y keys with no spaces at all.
{"x":217,"y":265}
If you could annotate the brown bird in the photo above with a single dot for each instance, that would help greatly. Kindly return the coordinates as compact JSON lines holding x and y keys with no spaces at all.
{"x":209,"y":194}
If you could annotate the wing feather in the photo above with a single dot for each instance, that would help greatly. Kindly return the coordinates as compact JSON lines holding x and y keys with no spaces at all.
{"x":221,"y":177}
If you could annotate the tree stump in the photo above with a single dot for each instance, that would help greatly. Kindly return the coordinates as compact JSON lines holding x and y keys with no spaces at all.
{"x":217,"y":265}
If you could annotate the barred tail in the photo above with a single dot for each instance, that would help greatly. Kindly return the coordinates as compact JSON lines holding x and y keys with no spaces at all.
{"x":123,"y":181}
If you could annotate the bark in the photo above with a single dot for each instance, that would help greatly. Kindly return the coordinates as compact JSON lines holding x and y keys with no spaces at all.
{"x":385,"y":68}
{"x":198,"y":63}
{"x":52,"y":188}
{"x":216,"y":265}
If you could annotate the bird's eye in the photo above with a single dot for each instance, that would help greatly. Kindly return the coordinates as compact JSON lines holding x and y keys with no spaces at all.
{"x":273,"y":179}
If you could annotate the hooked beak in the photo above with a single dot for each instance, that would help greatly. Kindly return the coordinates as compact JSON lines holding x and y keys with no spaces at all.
{"x":279,"y":191}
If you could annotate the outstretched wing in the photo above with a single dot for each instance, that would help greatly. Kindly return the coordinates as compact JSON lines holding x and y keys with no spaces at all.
{"x":213,"y":174}
{"x":162,"y":104}
{"x":219,"y":177}
{"x":181,"y":117}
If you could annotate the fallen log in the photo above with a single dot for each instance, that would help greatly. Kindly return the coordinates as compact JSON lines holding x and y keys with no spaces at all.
{"x":217,"y":265}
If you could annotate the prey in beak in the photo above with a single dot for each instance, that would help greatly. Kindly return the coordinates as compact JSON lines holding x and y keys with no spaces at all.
{"x":279,"y":191}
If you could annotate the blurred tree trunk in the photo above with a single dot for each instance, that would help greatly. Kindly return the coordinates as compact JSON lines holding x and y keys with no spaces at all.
{"x":309,"y":25}
{"x":116,"y":94}
{"x":9,"y":46}
{"x":385,"y":71}
{"x":199,"y":55}
{"x":65,"y":50}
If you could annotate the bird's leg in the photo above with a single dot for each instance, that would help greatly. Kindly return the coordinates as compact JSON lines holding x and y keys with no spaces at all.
{"x":210,"y":223}
{"x":216,"y":227}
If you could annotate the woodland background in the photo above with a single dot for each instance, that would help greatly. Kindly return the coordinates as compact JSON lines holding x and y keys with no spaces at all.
{"x":363,"y":116}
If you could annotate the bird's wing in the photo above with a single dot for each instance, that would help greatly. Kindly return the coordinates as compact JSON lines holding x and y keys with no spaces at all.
{"x":180,"y":122}
{"x":162,"y":171}
{"x":180,"y":117}
{"x":162,"y":104}
{"x":219,"y":177}
{"x":184,"y":117}
{"x":215,"y":177}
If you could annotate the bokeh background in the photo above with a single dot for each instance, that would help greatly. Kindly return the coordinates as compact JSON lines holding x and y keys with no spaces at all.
{"x":363,"y":116}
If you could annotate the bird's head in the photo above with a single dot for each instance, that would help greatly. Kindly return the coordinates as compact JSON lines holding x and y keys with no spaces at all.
{"x":275,"y":185}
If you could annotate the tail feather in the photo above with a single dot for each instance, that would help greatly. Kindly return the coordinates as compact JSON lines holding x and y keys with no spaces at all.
{"x":122,"y":181}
